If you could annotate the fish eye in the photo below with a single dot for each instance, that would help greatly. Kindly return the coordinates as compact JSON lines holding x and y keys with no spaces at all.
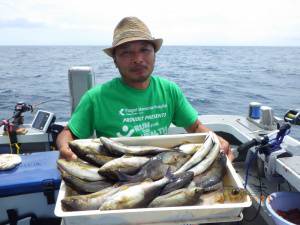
{"x":235,"y":191}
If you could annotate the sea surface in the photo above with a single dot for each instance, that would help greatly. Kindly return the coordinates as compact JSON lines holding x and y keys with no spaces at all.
{"x":216,"y":80}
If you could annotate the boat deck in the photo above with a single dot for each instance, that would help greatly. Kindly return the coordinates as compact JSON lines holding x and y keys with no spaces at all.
{"x":241,"y":130}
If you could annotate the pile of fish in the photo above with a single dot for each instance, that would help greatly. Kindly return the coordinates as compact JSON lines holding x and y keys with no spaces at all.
{"x":110,"y":175}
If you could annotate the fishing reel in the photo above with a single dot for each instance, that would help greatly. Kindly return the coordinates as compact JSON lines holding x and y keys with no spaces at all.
{"x":18,"y":118}
{"x":265,"y":145}
{"x":269,"y":149}
{"x":12,"y":129}
{"x":43,"y":122}
{"x":20,"y":108}
{"x":292,"y":116}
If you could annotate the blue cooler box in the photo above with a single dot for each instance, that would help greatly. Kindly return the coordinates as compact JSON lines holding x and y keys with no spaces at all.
{"x":31,"y":187}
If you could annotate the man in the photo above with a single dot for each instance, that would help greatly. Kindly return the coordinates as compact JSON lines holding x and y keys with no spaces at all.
{"x":135,"y":104}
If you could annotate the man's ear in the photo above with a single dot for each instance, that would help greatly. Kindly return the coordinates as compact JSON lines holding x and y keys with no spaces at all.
{"x":115,"y":62}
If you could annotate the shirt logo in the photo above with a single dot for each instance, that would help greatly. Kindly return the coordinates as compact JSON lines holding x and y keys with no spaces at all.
{"x":142,"y":120}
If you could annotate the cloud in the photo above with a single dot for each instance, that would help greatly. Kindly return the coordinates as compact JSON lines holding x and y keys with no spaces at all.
{"x":178,"y":22}
{"x":20,"y":23}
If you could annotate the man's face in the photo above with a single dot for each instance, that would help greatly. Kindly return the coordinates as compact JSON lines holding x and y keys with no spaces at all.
{"x":135,"y":61}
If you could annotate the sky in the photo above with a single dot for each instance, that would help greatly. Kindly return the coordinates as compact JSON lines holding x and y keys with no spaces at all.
{"x":184,"y":22}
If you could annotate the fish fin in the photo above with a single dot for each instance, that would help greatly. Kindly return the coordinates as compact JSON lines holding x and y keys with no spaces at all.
{"x":148,"y":180}
{"x":123,"y":176}
{"x":96,"y":140}
{"x":190,"y":173}
{"x":199,"y":190}
{"x":223,"y":158}
{"x":214,"y":187}
{"x":62,"y":171}
{"x":171,"y":176}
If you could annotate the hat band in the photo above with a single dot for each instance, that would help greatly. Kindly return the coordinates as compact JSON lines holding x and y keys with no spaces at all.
{"x":131,"y":34}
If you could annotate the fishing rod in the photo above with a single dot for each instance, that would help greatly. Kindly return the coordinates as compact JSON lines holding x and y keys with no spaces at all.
{"x":50,"y":100}
{"x":22,"y":107}
{"x":43,"y":121}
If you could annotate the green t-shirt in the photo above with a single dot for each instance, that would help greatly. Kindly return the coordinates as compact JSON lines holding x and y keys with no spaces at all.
{"x":115,"y":109}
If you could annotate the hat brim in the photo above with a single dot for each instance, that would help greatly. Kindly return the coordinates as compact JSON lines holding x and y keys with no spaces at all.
{"x":156,"y":42}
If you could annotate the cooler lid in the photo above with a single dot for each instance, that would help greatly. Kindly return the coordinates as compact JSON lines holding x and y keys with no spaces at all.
{"x":36,"y":172}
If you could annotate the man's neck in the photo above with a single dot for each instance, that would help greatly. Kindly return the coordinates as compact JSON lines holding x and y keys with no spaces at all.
{"x":138,"y":85}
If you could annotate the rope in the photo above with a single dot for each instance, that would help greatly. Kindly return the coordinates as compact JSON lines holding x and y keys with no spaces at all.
{"x":17,"y":146}
{"x":248,"y":164}
{"x":12,"y":136}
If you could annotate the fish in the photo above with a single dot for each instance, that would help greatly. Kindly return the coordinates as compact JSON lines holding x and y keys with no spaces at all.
{"x":180,"y":197}
{"x":212,"y":198}
{"x":173,"y":158}
{"x":82,"y":186}
{"x":9,"y":161}
{"x":86,"y":146}
{"x":135,"y":196}
{"x":118,"y":148}
{"x":97,"y":159}
{"x":88,"y":202}
{"x":154,"y":169}
{"x":211,"y":188}
{"x":200,"y":154}
{"x":214,"y":174}
{"x":180,"y":180}
{"x":72,"y":192}
{"x":80,"y":169}
{"x":209,"y":159}
{"x":235,"y":194}
{"x":225,"y":194}
{"x":127,"y":165}
{"x":157,"y":166}
{"x":91,"y":151}
{"x":190,"y":148}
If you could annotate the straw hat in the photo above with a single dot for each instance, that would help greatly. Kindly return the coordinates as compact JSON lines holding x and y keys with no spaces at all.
{"x":132,"y":29}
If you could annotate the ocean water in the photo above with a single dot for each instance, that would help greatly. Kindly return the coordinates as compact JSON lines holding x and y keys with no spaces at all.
{"x":216,"y":80}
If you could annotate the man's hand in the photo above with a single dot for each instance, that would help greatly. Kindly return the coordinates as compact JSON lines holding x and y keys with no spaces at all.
{"x":225,"y":147}
{"x":198,"y":127}
{"x":62,"y":143}
{"x":66,"y":153}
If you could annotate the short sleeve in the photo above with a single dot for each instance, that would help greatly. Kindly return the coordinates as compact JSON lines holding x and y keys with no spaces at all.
{"x":82,"y":121}
{"x":184,"y":113}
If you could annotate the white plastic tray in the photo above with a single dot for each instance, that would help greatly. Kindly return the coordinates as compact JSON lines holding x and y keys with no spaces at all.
{"x":165,"y":215}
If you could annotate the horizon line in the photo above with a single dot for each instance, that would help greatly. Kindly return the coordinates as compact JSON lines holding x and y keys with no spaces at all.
{"x":165,"y":45}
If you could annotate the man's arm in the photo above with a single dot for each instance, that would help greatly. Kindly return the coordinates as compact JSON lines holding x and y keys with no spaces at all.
{"x":62,"y":144}
{"x":198,"y":127}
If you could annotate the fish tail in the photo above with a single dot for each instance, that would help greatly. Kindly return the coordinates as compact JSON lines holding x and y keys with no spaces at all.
{"x":213,"y":187}
{"x":171,"y":176}
{"x":123,"y":177}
